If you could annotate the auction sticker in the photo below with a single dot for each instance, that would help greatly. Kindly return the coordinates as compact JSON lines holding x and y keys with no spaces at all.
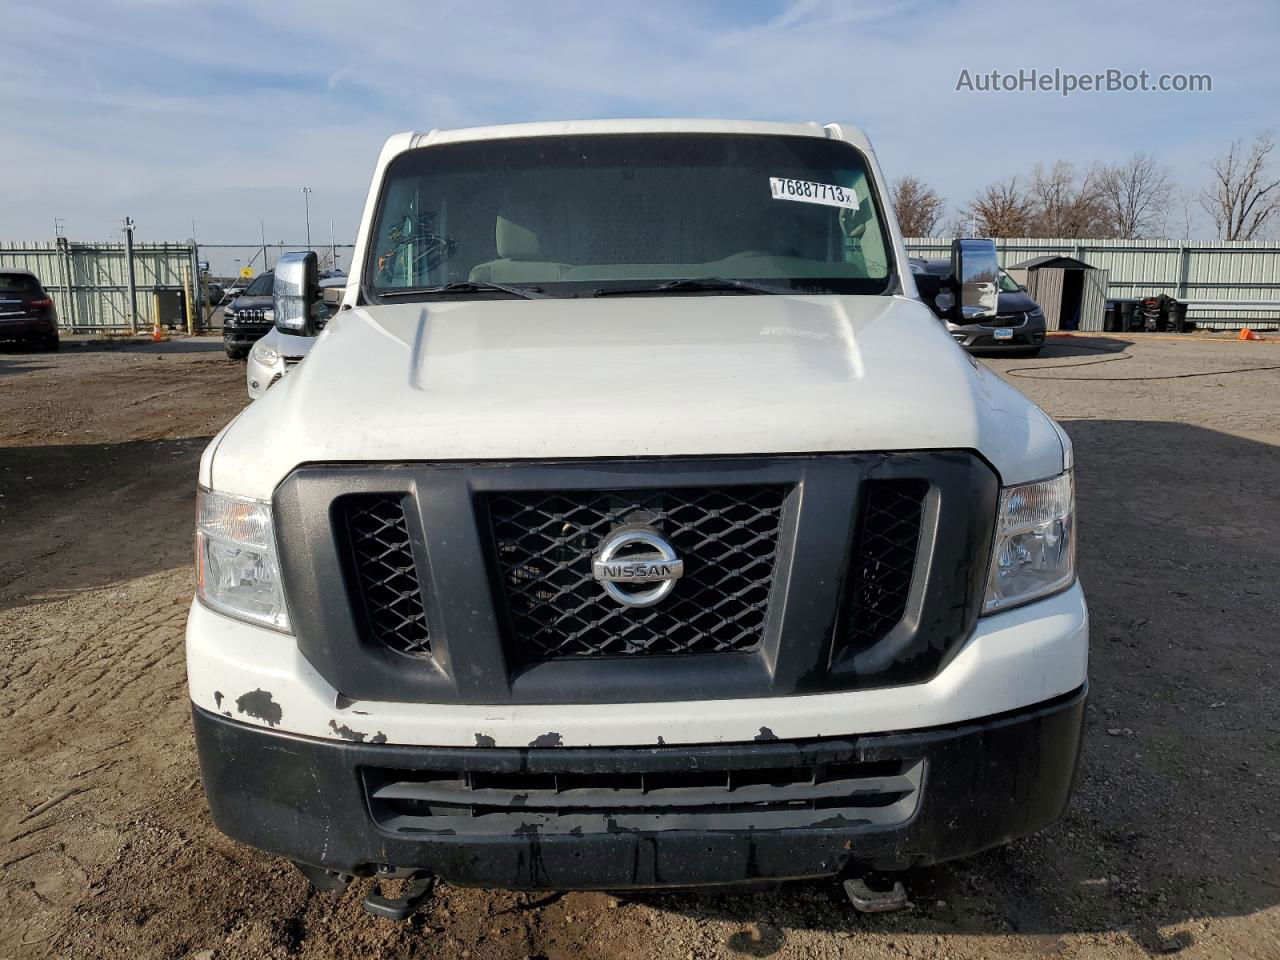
{"x":806,"y":191}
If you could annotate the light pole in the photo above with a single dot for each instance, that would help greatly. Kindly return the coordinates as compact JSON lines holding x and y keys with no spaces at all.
{"x":306,"y":198}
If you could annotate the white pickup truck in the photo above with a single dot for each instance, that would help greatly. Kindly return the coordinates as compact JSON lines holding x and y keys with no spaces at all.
{"x":634,"y":523}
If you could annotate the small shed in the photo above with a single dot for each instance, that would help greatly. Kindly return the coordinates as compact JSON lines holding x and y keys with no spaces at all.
{"x":1072,"y":293}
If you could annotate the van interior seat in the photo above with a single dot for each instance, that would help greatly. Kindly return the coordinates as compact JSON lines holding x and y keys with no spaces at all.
{"x":520,"y":252}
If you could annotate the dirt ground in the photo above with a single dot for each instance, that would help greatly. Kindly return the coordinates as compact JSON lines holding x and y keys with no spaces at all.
{"x":1171,"y":845}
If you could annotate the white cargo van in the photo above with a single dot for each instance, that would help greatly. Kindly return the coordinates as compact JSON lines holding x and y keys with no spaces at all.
{"x":634,"y":523}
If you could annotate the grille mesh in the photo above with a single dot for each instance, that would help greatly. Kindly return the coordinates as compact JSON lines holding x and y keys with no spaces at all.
{"x":884,"y":557}
{"x":727,"y":537}
{"x":385,"y":577}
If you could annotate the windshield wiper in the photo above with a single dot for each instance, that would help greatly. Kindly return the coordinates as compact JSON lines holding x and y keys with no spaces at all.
{"x":465,"y":286}
{"x":694,"y":285}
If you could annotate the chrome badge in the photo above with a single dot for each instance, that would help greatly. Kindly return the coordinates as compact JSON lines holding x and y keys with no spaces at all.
{"x":636,"y":556}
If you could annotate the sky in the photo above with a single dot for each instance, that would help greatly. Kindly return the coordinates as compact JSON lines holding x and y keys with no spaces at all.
{"x":218,"y":113}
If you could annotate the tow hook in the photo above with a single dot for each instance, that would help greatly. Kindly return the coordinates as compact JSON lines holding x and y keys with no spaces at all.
{"x":403,"y":906}
{"x":865,"y":899}
{"x":326,"y":881}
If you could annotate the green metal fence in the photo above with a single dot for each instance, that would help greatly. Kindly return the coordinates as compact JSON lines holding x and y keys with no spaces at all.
{"x":89,"y":282}
{"x":1225,"y":270}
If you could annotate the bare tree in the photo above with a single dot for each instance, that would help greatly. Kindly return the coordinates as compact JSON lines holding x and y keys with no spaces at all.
{"x":1134,"y":197}
{"x":917,"y":207}
{"x":1243,"y":196}
{"x":1001,"y":209}
{"x":1065,"y":203}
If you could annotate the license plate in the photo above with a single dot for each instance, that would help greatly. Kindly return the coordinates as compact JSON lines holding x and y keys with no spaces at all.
{"x":1004,"y":334}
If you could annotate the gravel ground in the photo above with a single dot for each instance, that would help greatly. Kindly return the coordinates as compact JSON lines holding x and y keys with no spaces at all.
{"x":1172,"y":844}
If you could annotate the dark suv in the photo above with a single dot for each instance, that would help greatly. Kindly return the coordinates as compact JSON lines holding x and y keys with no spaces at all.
{"x":247,"y":319}
{"x":27,"y":313}
{"x":1017,"y":328}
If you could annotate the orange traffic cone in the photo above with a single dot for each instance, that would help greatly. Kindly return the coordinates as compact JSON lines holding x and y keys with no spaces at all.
{"x":157,"y":335}
{"x":1247,"y":334}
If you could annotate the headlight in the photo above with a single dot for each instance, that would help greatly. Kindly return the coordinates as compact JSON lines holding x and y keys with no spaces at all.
{"x":264,"y":353}
{"x":1036,"y":314}
{"x":236,"y":568}
{"x":228,"y":316}
{"x":1035,"y":546}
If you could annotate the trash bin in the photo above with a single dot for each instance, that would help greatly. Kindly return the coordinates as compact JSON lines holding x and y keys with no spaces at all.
{"x":1111,"y":318}
{"x":1178,"y":318}
{"x":1130,"y":320}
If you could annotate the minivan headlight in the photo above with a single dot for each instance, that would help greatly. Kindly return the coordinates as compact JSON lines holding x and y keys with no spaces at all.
{"x":1035,"y":546}
{"x":265,"y":354}
{"x":237,"y":572}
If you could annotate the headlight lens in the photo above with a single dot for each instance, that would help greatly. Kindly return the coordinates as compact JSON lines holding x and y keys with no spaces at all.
{"x":1035,"y":546}
{"x":236,"y":568}
{"x":264,"y":353}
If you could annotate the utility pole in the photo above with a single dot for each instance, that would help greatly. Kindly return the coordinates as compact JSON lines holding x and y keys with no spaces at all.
{"x":61,"y":243}
{"x":306,"y":198}
{"x":133,"y":280}
{"x":265,"y":266}
{"x":333,"y":250}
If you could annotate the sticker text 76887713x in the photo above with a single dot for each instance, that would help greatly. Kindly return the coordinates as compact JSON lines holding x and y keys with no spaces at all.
{"x":807,"y":191}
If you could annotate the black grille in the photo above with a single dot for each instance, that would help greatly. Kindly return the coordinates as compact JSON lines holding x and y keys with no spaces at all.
{"x":384,"y":577}
{"x":252,"y":318}
{"x":884,"y":557}
{"x":1006,"y":320}
{"x":726,"y":536}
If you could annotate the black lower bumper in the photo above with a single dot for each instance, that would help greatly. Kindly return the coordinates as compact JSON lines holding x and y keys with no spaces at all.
{"x":243,"y":336}
{"x":36,"y":329}
{"x":980,"y":784}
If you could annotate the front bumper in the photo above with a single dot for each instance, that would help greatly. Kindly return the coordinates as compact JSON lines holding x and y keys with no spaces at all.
{"x":984,"y":339}
{"x":977,"y":784}
{"x":1013,"y":659}
{"x":259,"y":376}
{"x":243,"y":336}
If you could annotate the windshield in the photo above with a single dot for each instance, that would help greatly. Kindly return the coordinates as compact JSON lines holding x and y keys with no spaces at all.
{"x":573,"y":216}
{"x":1008,"y":284}
{"x":261,"y":286}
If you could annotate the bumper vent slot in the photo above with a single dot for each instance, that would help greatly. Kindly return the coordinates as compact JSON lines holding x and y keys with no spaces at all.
{"x":544,"y":542}
{"x":472,"y":802}
{"x":383,"y":577}
{"x":884,"y":557}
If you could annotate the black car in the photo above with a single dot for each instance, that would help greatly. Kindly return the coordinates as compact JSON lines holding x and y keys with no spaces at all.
{"x":1017,"y":328}
{"x":27,"y":314}
{"x":246,"y":319}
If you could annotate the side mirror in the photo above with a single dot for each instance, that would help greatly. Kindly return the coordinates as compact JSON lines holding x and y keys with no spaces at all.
{"x":975,"y":269}
{"x":296,"y":292}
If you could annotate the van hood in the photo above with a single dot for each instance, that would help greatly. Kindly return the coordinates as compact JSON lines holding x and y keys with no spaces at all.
{"x":631,"y":377}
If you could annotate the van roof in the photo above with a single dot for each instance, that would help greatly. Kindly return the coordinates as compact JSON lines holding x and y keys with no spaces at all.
{"x":559,"y":128}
